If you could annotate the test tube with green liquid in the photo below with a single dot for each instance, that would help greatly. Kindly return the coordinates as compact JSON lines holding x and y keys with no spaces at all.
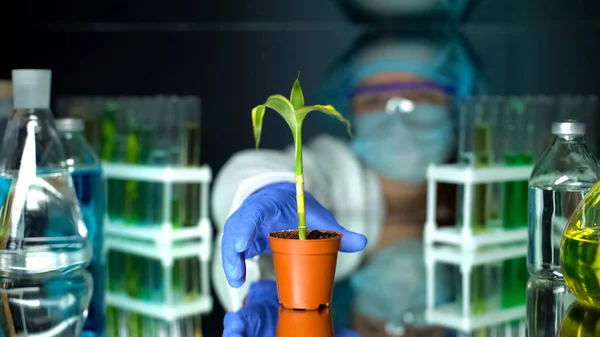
{"x":158,"y":158}
{"x":139,"y":146}
{"x":520,"y":116}
{"x":476,"y":152}
{"x":190,"y":157}
{"x":482,"y":148}
{"x":109,"y":155}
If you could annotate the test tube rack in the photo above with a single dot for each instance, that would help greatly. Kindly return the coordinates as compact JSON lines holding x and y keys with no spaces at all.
{"x":463,"y":248}
{"x":162,"y":242}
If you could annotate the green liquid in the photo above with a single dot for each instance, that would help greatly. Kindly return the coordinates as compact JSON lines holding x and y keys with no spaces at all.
{"x":116,"y":263}
{"x":134,"y":325}
{"x":131,"y":211}
{"x":482,"y":143}
{"x":483,"y":159}
{"x":186,"y":280}
{"x":514,"y":271}
{"x":112,"y":322}
{"x":190,"y":156}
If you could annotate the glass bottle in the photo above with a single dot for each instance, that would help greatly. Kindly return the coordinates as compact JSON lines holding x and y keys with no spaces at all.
{"x":558,"y":183}
{"x":86,"y":172}
{"x":43,"y":241}
{"x":547,"y":304}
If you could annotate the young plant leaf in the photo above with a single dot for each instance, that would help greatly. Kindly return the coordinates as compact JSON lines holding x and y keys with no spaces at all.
{"x":297,"y":96}
{"x":257,"y":120}
{"x":327,"y":109}
{"x":282,"y":106}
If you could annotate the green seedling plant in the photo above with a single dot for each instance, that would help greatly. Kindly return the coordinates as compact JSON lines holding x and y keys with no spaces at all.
{"x":293,"y":112}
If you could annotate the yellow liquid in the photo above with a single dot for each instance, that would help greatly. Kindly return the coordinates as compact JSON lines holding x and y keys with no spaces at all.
{"x":581,"y":322}
{"x":580,"y":253}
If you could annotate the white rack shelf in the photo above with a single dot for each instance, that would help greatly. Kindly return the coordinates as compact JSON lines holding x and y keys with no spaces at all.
{"x":468,"y":241}
{"x":159,"y":233}
{"x":449,"y":315}
{"x":462,"y":174}
{"x":468,"y":177}
{"x":164,"y":174}
{"x":462,"y":247}
{"x":166,"y":253}
{"x":465,"y":259}
{"x":162,"y":242}
{"x":161,"y":311}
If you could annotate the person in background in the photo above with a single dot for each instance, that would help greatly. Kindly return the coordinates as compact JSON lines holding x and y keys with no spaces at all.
{"x":400,"y":93}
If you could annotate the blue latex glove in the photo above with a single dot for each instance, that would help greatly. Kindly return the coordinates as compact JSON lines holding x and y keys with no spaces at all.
{"x":258,"y":317}
{"x":269,"y":209}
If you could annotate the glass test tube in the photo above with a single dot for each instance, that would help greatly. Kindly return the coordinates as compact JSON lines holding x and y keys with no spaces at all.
{"x":475,"y":152}
{"x":519,"y":115}
{"x":190,"y":156}
{"x":590,"y":111}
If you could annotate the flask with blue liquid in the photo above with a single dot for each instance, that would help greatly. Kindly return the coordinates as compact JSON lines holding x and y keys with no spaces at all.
{"x":86,"y":172}
{"x":45,"y":288}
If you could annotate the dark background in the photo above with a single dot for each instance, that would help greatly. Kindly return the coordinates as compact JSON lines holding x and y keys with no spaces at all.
{"x":233,"y":54}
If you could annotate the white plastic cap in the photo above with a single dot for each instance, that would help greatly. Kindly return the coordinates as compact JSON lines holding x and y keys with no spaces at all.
{"x":31,"y":88}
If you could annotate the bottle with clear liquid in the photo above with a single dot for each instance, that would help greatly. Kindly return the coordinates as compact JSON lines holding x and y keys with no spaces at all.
{"x":86,"y":173}
{"x":43,"y":241}
{"x":559,"y":181}
{"x":547,"y":303}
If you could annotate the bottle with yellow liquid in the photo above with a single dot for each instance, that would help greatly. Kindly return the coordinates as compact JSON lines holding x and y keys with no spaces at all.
{"x":559,"y":182}
{"x":580,"y":250}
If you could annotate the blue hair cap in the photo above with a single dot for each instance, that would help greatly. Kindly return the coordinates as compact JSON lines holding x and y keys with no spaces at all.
{"x":437,"y":54}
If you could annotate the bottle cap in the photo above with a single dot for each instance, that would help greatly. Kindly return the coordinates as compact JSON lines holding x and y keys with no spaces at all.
{"x":69,"y":124}
{"x":568,"y":128}
{"x":31,"y":88}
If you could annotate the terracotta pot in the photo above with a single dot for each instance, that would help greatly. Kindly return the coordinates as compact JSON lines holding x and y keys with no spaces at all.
{"x":304,"y":269}
{"x":303,"y":323}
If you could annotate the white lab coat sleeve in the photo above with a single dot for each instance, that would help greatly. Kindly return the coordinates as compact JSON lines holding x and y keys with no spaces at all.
{"x":244,"y":173}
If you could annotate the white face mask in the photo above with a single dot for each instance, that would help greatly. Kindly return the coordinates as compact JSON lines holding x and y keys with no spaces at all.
{"x":409,"y":7}
{"x":390,"y":146}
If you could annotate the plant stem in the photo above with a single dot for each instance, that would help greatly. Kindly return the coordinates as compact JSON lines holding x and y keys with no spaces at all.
{"x":300,"y":184}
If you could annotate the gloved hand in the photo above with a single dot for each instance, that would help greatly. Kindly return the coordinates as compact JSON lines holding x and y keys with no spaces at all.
{"x":258,"y":317}
{"x":269,"y":209}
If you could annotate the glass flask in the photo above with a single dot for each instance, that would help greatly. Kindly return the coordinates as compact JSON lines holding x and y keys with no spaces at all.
{"x":41,"y":224}
{"x":580,"y":250}
{"x":581,"y":321}
{"x":44,"y":305}
{"x":558,"y":183}
{"x":86,"y":173}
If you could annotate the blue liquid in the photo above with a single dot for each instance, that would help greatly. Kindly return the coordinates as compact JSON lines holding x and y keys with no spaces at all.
{"x":89,"y":188}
